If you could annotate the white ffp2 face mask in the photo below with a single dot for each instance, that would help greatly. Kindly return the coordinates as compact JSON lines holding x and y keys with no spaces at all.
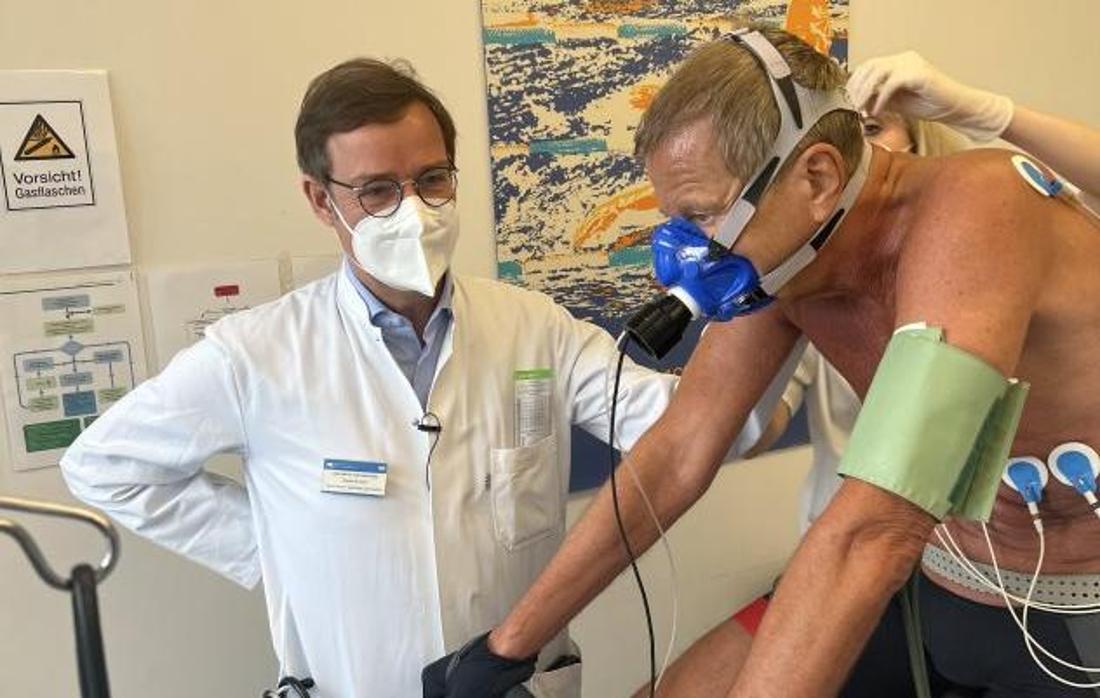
{"x":410,"y":250}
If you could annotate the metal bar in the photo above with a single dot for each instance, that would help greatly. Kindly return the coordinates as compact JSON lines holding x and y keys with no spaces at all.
{"x":34,"y":553}
{"x":90,"y":659}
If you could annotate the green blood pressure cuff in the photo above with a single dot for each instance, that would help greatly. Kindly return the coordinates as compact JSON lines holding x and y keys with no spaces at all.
{"x":936,"y":427}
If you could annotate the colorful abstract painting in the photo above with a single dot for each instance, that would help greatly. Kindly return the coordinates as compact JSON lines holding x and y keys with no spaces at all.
{"x":567,"y":83}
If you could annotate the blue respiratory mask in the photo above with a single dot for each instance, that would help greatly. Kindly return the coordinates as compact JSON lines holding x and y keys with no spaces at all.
{"x":701,"y":273}
{"x":704,"y":277}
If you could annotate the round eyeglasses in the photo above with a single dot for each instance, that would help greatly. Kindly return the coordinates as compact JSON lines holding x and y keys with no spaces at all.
{"x":382,"y":197}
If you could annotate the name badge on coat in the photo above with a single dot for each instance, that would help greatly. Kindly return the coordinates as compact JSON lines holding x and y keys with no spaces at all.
{"x":354,"y":477}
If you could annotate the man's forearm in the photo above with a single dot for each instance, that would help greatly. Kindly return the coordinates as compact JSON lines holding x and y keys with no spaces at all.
{"x":593,"y":553}
{"x":858,"y":554}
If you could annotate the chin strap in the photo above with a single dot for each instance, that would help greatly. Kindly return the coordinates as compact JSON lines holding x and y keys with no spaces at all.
{"x":778,"y":277}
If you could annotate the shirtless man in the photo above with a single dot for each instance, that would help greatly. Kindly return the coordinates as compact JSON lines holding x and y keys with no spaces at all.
{"x":962,"y":244}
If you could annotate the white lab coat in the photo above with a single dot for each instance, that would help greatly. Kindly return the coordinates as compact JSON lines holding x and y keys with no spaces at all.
{"x":363,"y":591}
{"x":832,"y":407}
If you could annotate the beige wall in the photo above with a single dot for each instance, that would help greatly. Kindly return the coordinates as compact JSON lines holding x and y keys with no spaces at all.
{"x":1043,"y":54}
{"x":205,"y":95}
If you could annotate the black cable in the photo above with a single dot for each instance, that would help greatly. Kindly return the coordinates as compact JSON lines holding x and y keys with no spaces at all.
{"x":435,"y":428}
{"x":428,"y":463}
{"x":622,"y":529}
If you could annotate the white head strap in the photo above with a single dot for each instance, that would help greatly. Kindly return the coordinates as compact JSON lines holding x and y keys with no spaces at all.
{"x":778,"y":277}
{"x":799,"y":111}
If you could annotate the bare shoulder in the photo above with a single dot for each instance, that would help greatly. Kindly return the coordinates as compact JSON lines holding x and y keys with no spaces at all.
{"x":975,"y":195}
{"x":973,"y":210}
{"x":974,"y":254}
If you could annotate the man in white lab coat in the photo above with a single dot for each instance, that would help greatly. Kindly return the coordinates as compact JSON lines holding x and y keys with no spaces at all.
{"x":405,"y":432}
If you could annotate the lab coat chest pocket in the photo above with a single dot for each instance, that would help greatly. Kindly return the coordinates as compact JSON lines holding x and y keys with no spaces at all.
{"x":526,"y":492}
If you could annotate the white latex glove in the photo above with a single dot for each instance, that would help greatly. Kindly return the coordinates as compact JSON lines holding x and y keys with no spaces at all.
{"x":908,"y":84}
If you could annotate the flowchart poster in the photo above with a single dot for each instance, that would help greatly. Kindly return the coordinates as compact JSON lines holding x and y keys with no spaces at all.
{"x":73,"y":347}
{"x":62,"y":204}
{"x":184,"y":301}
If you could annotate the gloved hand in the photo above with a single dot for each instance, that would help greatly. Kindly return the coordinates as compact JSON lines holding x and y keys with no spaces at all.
{"x":910,"y":85}
{"x":475,"y":672}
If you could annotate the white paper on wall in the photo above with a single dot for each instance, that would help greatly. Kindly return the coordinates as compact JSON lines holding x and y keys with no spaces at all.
{"x":72,"y":347}
{"x":184,"y":301}
{"x":62,"y":205}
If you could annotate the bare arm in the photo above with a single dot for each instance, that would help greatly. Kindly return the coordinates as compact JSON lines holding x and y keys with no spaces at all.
{"x":973,"y":269}
{"x":675,"y":461}
{"x":854,"y":558}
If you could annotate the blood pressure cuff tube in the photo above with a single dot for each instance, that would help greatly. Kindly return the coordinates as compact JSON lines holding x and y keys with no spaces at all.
{"x":936,"y":427}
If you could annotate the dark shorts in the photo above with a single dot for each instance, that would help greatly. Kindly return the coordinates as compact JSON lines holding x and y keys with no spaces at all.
{"x":972,"y":649}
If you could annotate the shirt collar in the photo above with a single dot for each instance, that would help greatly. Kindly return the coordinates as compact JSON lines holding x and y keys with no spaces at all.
{"x":380,"y":313}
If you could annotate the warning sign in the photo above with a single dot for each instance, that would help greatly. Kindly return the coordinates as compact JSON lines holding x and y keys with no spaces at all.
{"x":60,"y":187}
{"x":44,"y":155}
{"x":43,"y":143}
